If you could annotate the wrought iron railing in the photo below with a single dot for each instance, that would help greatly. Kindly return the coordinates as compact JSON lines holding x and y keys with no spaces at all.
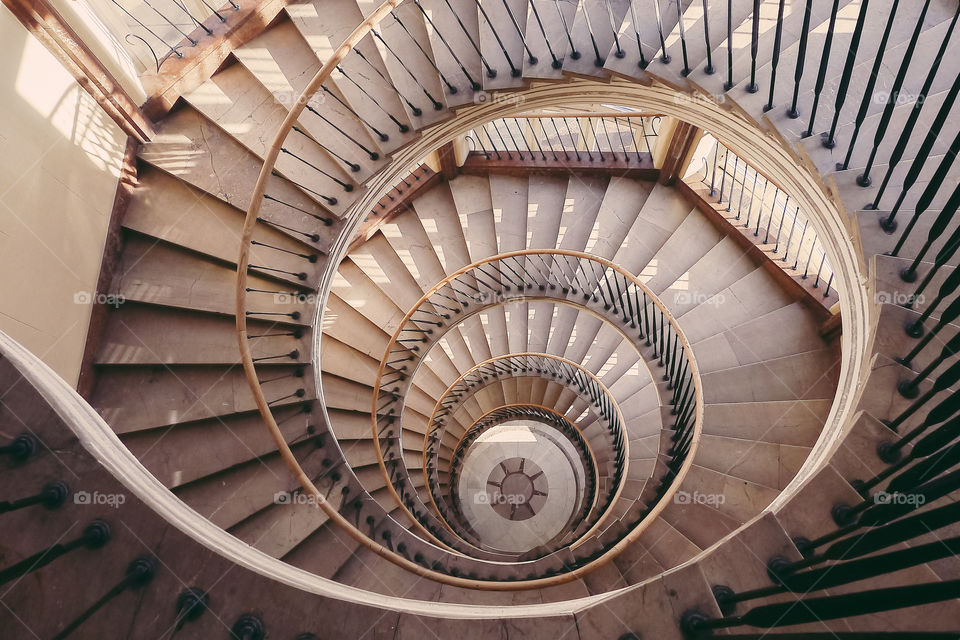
{"x":417,"y":101}
{"x":565,"y":277}
{"x":760,"y":208}
{"x":601,"y":138}
{"x":164,"y":27}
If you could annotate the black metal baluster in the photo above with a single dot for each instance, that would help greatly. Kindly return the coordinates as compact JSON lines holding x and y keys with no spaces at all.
{"x":514,"y":71}
{"x":614,"y":28}
{"x":943,"y":256}
{"x":139,"y":573}
{"x":346,"y":186}
{"x":946,"y":380}
{"x":325,"y":221}
{"x":864,"y":179}
{"x":763,"y":198}
{"x":506,"y":125}
{"x":382,"y":136}
{"x":249,"y":627}
{"x":709,"y":69}
{"x":574,"y":54}
{"x":951,"y":313}
{"x":353,"y":166}
{"x":413,"y":108}
{"x":733,"y":183}
{"x":51,"y":496}
{"x":910,"y":388}
{"x":729,"y":83}
{"x":783,"y":214}
{"x":191,"y":604}
{"x":636,"y":31}
{"x":502,"y":141}
{"x":723,"y":174}
{"x":871,"y":83}
{"x":753,"y":87}
{"x":936,"y":230}
{"x":473,"y":83}
{"x":523,"y":36}
{"x":889,"y":224}
{"x":491,"y":72}
{"x":830,"y":141}
{"x":437,"y":105}
{"x":664,"y":56}
{"x":907,"y":130}
{"x":557,"y":63}
{"x":598,"y":60}
{"x":713,"y":174}
{"x":801,"y":59}
{"x":829,"y":607}
{"x":95,"y":535}
{"x":22,"y":447}
{"x":775,"y":59}
{"x":583,"y":136}
{"x":683,"y":41}
{"x":822,"y":73}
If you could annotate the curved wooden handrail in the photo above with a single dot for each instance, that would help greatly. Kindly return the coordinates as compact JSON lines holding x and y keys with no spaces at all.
{"x":687,"y":349}
{"x":619,"y":414}
{"x":246,"y":357}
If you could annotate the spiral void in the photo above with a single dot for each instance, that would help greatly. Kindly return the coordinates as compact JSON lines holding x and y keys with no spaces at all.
{"x":529,"y":318}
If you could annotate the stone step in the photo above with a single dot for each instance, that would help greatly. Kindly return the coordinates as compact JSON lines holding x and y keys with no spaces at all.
{"x":139,"y":334}
{"x":502,"y":25}
{"x":408,"y":55}
{"x":907,"y":17}
{"x":546,"y":37}
{"x":592,"y":29}
{"x":288,"y":55}
{"x":204,"y":225}
{"x":155,"y":273}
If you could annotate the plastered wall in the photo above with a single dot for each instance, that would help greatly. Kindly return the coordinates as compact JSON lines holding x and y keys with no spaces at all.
{"x":60,"y":159}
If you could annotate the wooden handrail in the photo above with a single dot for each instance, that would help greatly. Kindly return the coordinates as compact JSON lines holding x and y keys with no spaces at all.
{"x":273,"y":428}
{"x":687,"y":349}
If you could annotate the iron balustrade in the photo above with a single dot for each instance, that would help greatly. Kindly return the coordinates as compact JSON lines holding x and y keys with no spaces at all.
{"x":911,"y":498}
{"x":623,"y":138}
{"x":738,"y":184}
{"x":164,"y":27}
{"x":566,"y":277}
{"x":552,"y":368}
{"x":760,"y":208}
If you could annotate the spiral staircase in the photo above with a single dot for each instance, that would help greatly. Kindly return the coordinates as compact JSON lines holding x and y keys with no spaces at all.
{"x":684,"y":272}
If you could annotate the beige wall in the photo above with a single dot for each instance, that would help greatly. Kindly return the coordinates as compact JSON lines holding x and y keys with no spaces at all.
{"x":60,"y":158}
